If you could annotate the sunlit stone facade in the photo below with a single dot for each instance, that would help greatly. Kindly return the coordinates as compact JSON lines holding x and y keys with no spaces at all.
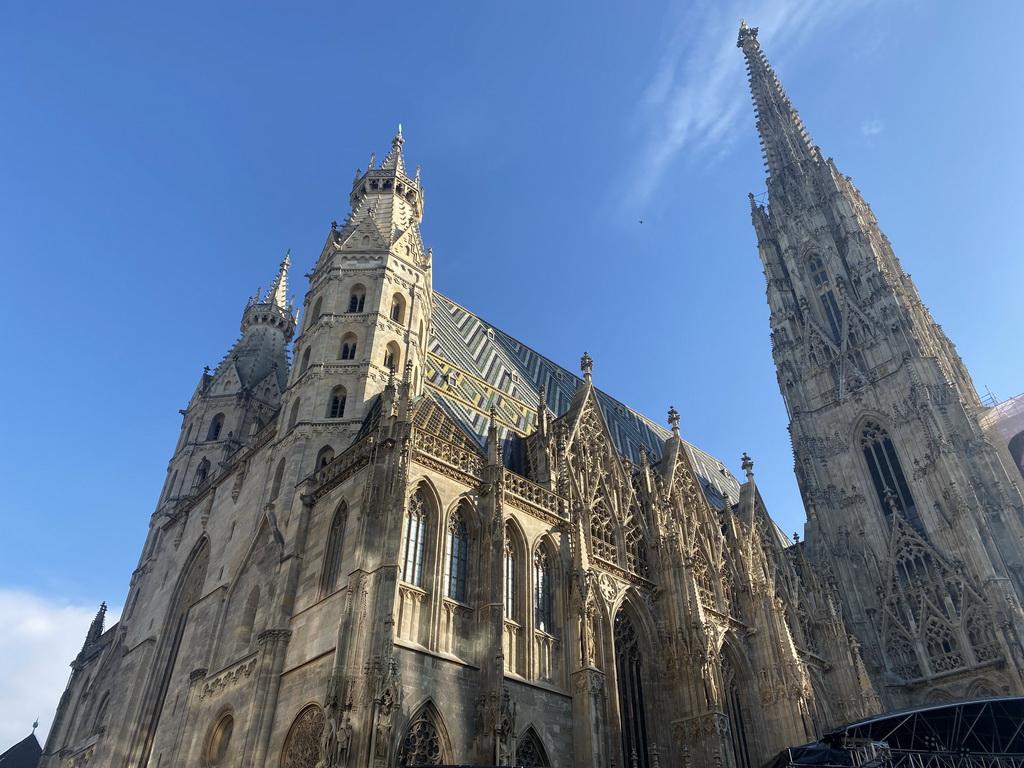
{"x":421,"y":542}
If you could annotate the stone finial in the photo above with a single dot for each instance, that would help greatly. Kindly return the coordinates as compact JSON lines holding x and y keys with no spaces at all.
{"x":587,"y":366}
{"x":747,"y":465}
{"x":673,"y":419}
{"x":746,"y":33}
{"x":373,"y":159}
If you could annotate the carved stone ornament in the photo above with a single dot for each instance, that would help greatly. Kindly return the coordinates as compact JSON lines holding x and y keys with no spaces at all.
{"x":609,"y":587}
{"x":589,"y":681}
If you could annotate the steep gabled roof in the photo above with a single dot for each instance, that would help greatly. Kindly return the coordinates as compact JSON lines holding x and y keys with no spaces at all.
{"x":24,"y":754}
{"x":472,"y":366}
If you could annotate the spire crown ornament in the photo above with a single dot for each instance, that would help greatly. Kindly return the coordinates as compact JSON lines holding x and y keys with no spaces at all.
{"x":587,"y":366}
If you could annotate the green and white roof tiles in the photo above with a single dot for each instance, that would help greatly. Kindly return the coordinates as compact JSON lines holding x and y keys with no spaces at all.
{"x":473,"y":367}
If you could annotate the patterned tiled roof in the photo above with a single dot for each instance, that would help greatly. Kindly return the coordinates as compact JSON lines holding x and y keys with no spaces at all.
{"x":473,"y":367}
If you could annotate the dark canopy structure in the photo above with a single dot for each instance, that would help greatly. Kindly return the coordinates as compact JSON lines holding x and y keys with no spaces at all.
{"x":981,"y":733}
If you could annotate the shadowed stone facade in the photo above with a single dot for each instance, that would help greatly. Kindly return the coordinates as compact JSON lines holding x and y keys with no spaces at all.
{"x":424,"y":543}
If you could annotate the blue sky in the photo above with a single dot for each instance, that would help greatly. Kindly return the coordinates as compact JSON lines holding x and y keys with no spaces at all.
{"x":157,"y":162}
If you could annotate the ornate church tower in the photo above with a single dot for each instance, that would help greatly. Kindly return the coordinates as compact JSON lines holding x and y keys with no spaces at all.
{"x":367,"y":312}
{"x":908,"y":504}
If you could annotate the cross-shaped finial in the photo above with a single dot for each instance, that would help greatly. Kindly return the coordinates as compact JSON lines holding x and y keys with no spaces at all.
{"x":747,"y":465}
{"x":673,"y":418}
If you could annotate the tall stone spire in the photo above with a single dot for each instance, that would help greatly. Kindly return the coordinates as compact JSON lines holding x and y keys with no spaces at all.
{"x":784,"y":138}
{"x":883,"y":418}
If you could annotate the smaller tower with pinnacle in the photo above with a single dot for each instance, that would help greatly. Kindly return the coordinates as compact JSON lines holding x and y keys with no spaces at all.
{"x":238,"y":398}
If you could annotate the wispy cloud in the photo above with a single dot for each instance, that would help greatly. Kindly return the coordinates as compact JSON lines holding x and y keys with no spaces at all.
{"x":697,"y":101}
{"x":871,"y":127}
{"x":39,"y":640}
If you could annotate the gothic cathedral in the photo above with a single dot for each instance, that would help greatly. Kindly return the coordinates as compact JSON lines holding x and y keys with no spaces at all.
{"x":423,"y":543}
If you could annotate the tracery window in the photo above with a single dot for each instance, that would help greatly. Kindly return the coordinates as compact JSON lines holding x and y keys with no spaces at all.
{"x":422,"y":744}
{"x":302,"y":745}
{"x":602,"y":534}
{"x":510,"y":578}
{"x":829,"y":305}
{"x":902,"y":655}
{"x":636,"y":551}
{"x":943,"y":649}
{"x":542,"y":594}
{"x":530,"y":752}
{"x":333,"y":551}
{"x":414,"y":540}
{"x":632,"y":710}
{"x":702,"y":579}
{"x":887,"y":474}
{"x":457,"y":561}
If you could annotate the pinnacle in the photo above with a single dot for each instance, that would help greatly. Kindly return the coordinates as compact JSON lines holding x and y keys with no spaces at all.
{"x":394,"y":161}
{"x":278,"y":293}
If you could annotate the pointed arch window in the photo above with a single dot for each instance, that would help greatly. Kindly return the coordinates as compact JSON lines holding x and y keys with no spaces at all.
{"x":336,"y":404}
{"x":530,"y":752}
{"x":414,"y":539}
{"x":702,"y":579}
{"x":602,"y":533}
{"x":275,"y":485}
{"x":243,"y":632}
{"x":357,"y":299}
{"x":887,"y":475}
{"x":202,"y":472}
{"x":826,"y":294}
{"x":302,"y":744}
{"x":294,"y":417}
{"x":398,"y":308}
{"x":457,"y":561}
{"x":422,"y":743}
{"x":632,"y":709}
{"x":509,"y":567}
{"x":324,"y":457}
{"x":737,"y":716}
{"x":332,"y":552}
{"x":305,"y":361}
{"x":216,"y":427}
{"x":542,"y":592}
{"x":392,"y":357}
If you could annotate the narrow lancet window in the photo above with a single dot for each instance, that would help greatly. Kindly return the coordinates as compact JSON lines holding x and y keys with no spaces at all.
{"x":887,"y":474}
{"x":458,"y":558}
{"x":632,"y":710}
{"x":542,"y":592}
{"x":829,"y":304}
{"x":414,"y":539}
{"x":510,"y":579}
